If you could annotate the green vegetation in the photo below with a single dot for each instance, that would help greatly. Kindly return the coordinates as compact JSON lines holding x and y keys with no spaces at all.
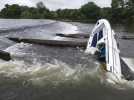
{"x":120,"y":12}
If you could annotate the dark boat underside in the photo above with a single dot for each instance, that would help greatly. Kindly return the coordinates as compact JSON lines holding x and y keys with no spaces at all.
{"x":126,"y":71}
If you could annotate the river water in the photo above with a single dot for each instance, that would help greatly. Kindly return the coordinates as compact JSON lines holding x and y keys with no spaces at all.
{"x":38,"y":72}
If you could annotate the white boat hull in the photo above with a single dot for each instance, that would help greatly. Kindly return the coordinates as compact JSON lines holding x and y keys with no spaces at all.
{"x":102,"y":32}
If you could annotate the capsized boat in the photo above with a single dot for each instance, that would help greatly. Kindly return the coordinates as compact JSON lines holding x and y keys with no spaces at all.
{"x":102,"y":42}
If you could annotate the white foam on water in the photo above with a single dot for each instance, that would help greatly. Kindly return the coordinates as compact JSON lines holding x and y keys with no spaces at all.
{"x":113,"y":81}
{"x":17,"y":49}
{"x":57,"y":38}
{"x":68,"y":28}
{"x":38,"y":74}
{"x":58,"y":71}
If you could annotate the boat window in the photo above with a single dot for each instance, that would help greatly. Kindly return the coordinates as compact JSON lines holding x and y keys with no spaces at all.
{"x":97,"y":23}
{"x":100,"y":35}
{"x":94,"y":41}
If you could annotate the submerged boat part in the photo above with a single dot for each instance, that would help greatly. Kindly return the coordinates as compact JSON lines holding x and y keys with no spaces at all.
{"x":102,"y":41}
{"x":5,"y":55}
